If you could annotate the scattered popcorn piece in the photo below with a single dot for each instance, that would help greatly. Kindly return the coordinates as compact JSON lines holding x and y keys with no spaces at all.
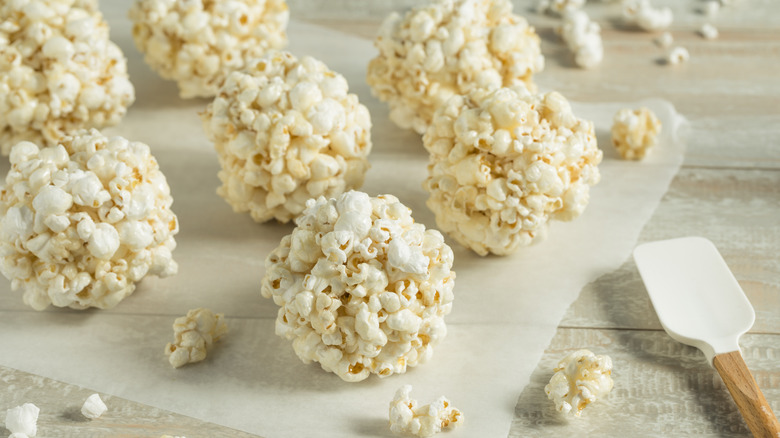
{"x":59,"y":72}
{"x":198,"y":43}
{"x":93,"y":407}
{"x":708,"y":31}
{"x":664,"y":40}
{"x":85,"y":220}
{"x":406,"y":417}
{"x":23,"y":420}
{"x":559,"y":7}
{"x":362,"y":288}
{"x":583,"y":37}
{"x":505,"y":163}
{"x":711,"y":8}
{"x":678,"y":55}
{"x":580,"y":379}
{"x":635,"y":132}
{"x":286,"y":131}
{"x":447,"y":48}
{"x":642,"y":14}
{"x":194,"y":334}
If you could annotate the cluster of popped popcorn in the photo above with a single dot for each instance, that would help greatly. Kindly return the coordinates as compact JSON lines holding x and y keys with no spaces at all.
{"x":558,"y":7}
{"x":198,"y":43}
{"x":85,"y":220}
{"x":580,"y":379}
{"x":93,"y":407}
{"x":583,"y":37}
{"x":286,"y":131}
{"x":193,"y":335}
{"x":361,"y":287}
{"x":503,"y":164}
{"x":59,"y":72}
{"x":635,"y":132}
{"x":407,"y":417}
{"x":645,"y":16}
{"x":448,"y":48}
{"x":22,"y":421}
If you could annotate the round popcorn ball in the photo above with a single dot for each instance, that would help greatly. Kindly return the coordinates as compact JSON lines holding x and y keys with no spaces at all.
{"x":635,"y":132}
{"x":446,"y":48}
{"x":362,"y":288}
{"x":198,"y":43}
{"x":286,"y":131}
{"x":59,"y":72}
{"x":85,"y":220}
{"x":580,"y":378}
{"x":504,"y":163}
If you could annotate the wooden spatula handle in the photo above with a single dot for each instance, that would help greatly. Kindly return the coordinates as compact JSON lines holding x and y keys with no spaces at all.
{"x":750,"y":400}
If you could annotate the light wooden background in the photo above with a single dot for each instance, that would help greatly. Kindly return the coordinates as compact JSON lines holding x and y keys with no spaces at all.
{"x":728,"y":191}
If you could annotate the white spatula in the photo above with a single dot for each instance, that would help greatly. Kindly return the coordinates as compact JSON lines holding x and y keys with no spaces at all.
{"x":700,"y":303}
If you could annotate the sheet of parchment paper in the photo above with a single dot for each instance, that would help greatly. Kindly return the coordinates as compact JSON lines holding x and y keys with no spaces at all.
{"x":505,"y":312}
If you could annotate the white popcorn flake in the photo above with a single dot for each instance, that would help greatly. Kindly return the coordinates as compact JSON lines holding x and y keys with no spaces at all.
{"x":84,"y":221}
{"x":559,"y":7}
{"x":580,"y":379}
{"x":23,"y":420}
{"x":583,"y":38}
{"x":93,"y":407}
{"x":194,"y":334}
{"x":635,"y":132}
{"x":664,"y":40}
{"x":285,"y":131}
{"x":361,"y":301}
{"x":505,"y":163}
{"x":446,"y":48}
{"x":59,"y":72}
{"x":708,"y":31}
{"x":408,"y":418}
{"x":198,"y":43}
{"x":678,"y":55}
{"x":644,"y":15}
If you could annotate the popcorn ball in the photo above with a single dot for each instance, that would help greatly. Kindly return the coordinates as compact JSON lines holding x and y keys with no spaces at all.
{"x":635,"y":132}
{"x":362,"y":288}
{"x":93,"y":407}
{"x":59,"y":72}
{"x":85,"y":220}
{"x":285,"y":131}
{"x":505,"y":163}
{"x":198,"y":43}
{"x":194,"y":334}
{"x":408,"y":418}
{"x":446,"y":48}
{"x":22,"y":420}
{"x":580,"y":379}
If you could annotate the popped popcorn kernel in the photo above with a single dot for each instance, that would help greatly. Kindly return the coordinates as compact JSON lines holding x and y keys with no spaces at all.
{"x":361,"y":288}
{"x":408,"y":418}
{"x":664,"y":40}
{"x":198,"y":43}
{"x":644,"y":15}
{"x":285,"y":131}
{"x":505,"y":163}
{"x":194,"y":334}
{"x":580,"y":379}
{"x":59,"y":72}
{"x":559,"y":7}
{"x":635,"y":132}
{"x":708,"y":31}
{"x":22,"y":420}
{"x":677,"y":55}
{"x":84,"y":221}
{"x":583,"y":38}
{"x":93,"y":407}
{"x":446,"y":48}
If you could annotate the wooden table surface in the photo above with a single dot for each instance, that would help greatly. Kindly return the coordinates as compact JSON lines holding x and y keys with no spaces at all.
{"x":728,"y":190}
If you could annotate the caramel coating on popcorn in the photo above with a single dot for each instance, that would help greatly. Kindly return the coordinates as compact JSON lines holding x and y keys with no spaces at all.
{"x":194,"y":334}
{"x":505,"y":163}
{"x":447,"y":48}
{"x":635,"y":132}
{"x":407,"y":417}
{"x":286,"y":131}
{"x":580,"y":379}
{"x":362,"y":288}
{"x":198,"y":43}
{"x":85,"y":220}
{"x":59,"y":72}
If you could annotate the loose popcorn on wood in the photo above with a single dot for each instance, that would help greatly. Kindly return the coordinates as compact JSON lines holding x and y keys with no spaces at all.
{"x":93,"y":407}
{"x":708,"y":31}
{"x":559,"y":7}
{"x":286,"y":131}
{"x":664,"y":40}
{"x":194,"y":334}
{"x":503,"y":164}
{"x":408,"y":418}
{"x":59,"y":72}
{"x":198,"y":43}
{"x":580,"y":379}
{"x":84,"y":221}
{"x":447,"y":48}
{"x":22,"y":420}
{"x":678,"y":55}
{"x":635,"y":132}
{"x":645,"y":16}
{"x":362,"y":288}
{"x":583,"y":37}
